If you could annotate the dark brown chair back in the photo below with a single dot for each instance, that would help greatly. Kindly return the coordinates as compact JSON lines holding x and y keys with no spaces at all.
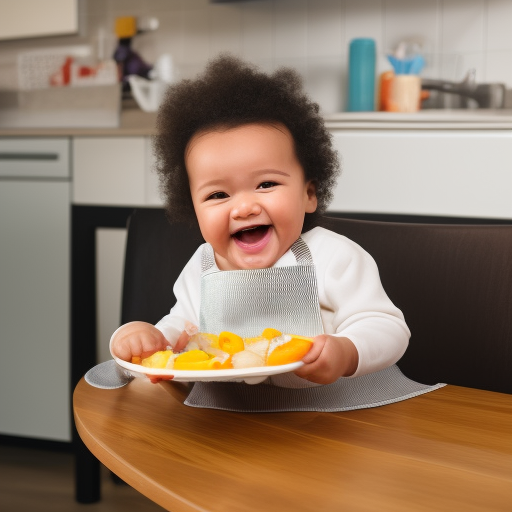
{"x":452,"y":282}
{"x":156,"y":252}
{"x":454,"y":286}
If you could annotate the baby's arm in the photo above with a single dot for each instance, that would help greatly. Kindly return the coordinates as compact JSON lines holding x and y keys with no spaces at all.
{"x":366,"y":331}
{"x":329,"y":358}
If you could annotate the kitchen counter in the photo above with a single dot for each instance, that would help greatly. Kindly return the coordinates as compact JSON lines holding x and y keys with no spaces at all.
{"x":459,"y":119}
{"x":135,"y":122}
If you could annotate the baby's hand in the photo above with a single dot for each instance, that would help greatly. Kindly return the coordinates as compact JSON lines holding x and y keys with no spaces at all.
{"x":137,"y":339}
{"x":328,"y":359}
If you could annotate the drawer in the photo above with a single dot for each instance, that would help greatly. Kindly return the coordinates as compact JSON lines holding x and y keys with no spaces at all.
{"x":35,"y":157}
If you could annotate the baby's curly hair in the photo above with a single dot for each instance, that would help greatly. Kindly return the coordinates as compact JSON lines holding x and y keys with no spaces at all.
{"x":232,"y":93}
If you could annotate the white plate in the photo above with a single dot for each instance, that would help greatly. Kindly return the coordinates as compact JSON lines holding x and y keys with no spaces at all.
{"x":249,"y":375}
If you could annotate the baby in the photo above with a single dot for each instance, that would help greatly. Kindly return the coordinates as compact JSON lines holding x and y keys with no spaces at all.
{"x":246,"y":155}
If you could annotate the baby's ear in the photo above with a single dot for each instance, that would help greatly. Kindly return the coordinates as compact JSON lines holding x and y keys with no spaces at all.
{"x":311,"y":201}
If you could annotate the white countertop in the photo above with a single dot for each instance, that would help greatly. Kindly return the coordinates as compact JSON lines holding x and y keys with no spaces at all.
{"x":135,"y":122}
{"x":459,"y":119}
{"x":132,"y":122}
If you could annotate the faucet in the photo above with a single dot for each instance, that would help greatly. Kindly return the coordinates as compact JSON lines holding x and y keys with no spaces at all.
{"x":486,"y":95}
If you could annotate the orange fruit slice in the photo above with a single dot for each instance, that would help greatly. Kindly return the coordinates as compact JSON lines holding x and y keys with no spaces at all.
{"x":250,"y":341}
{"x":230,"y":342}
{"x":270,"y":333}
{"x":210,"y":364}
{"x":196,"y":360}
{"x":290,"y":352}
{"x":227,"y":364}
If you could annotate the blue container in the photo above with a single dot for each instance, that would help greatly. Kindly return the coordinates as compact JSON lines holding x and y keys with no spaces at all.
{"x":361,"y":75}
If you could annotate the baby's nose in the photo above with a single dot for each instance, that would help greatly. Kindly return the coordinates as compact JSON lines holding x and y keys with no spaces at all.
{"x":245,"y":207}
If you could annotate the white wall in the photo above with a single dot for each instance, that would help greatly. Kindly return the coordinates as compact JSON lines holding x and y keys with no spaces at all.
{"x":311,"y":35}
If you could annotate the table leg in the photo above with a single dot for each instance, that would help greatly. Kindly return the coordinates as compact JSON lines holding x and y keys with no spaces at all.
{"x":87,"y":475}
{"x":85,"y":221}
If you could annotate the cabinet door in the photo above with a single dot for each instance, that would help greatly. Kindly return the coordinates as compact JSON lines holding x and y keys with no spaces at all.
{"x":34,"y":309}
{"x":459,"y":173}
{"x":114,"y":171}
{"x":109,"y":171}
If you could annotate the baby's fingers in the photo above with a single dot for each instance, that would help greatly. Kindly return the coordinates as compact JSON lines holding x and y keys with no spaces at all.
{"x":315,"y":350}
{"x":126,"y":347}
{"x":155,"y":379}
{"x":182,"y":341}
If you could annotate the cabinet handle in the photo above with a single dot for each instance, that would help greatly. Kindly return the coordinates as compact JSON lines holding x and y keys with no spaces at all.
{"x":29,"y":156}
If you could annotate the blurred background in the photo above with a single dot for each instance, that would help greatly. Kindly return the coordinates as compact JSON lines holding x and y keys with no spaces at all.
{"x":312,"y":36}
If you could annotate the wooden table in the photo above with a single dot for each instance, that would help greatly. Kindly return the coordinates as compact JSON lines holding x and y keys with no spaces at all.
{"x":448,"y":450}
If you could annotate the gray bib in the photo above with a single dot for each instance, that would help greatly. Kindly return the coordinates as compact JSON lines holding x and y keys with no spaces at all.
{"x":248,"y":301}
{"x":284,"y":298}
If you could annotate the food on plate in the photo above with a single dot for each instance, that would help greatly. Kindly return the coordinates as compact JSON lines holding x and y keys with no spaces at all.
{"x":270,"y":333}
{"x":247,"y":359}
{"x":206,"y":351}
{"x":230,"y":342}
{"x":292,"y":350}
{"x":161,"y":359}
{"x":196,"y":360}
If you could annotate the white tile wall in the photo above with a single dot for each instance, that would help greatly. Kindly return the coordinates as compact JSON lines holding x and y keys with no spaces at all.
{"x":290,"y":29}
{"x":311,"y":35}
{"x":463,"y":25}
{"x":364,"y":19}
{"x":401,"y":22}
{"x":258,"y":32}
{"x":225,"y":30}
{"x":499,"y":18}
{"x":325,"y":34}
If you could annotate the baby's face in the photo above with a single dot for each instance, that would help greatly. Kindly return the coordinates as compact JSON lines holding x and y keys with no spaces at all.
{"x":249,"y":193}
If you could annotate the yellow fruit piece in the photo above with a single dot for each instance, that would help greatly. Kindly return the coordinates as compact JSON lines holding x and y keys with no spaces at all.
{"x":250,"y":341}
{"x":227,"y":364}
{"x":192,"y":356}
{"x":290,"y":352}
{"x":230,"y":342}
{"x":196,"y":360}
{"x":270,"y":333}
{"x":210,"y":364}
{"x":158,"y":359}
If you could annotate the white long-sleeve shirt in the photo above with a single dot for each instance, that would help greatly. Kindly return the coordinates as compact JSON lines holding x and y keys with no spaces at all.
{"x":353,"y":302}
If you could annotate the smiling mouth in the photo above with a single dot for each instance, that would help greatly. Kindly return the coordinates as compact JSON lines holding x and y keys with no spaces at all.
{"x":252,"y":235}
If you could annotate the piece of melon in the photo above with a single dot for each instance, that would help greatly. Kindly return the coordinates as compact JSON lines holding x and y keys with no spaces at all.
{"x":247,"y":359}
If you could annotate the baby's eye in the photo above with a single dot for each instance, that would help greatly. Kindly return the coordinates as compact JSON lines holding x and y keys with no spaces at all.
{"x":267,"y":184}
{"x":217,"y":195}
